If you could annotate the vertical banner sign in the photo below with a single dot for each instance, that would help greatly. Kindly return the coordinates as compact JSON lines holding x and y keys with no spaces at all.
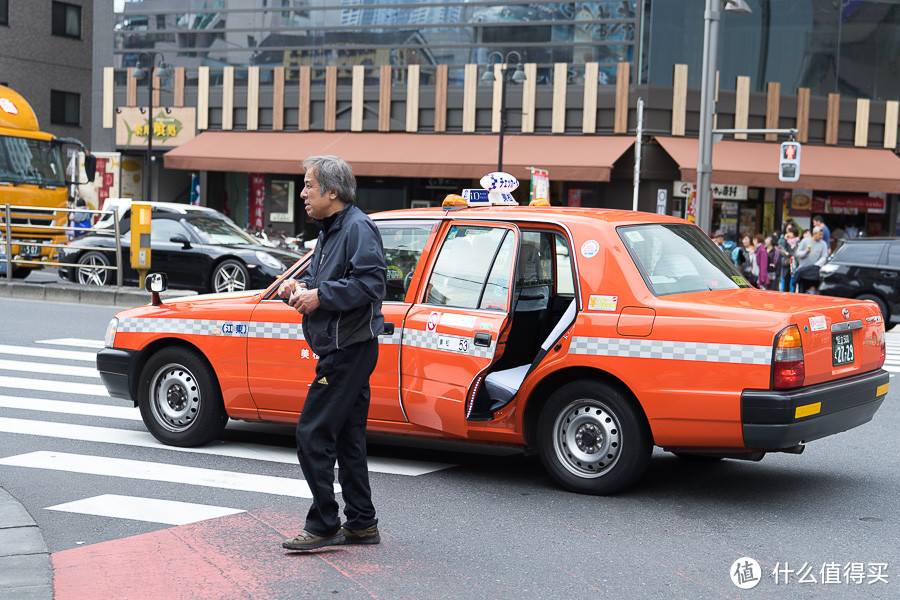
{"x":691,"y":211}
{"x":662,"y":197}
{"x":195,"y":189}
{"x":257,"y":197}
{"x":540,"y":184}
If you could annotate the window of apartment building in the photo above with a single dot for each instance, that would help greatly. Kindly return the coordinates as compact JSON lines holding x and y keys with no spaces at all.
{"x":66,"y":19}
{"x":4,"y":12}
{"x":65,"y":108}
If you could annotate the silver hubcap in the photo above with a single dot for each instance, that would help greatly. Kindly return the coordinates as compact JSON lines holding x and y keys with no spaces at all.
{"x":174,"y":397}
{"x":89,"y":273}
{"x":587,"y":438}
{"x":230,"y":278}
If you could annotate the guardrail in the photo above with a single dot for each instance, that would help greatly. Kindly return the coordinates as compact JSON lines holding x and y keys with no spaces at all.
{"x":9,"y":240}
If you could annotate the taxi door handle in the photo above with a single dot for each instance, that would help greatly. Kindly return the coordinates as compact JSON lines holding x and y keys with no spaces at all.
{"x":388,"y":328}
{"x":482,"y":339}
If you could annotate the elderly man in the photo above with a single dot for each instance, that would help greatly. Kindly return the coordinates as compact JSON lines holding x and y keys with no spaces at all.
{"x":340,"y":298}
{"x":811,"y":253}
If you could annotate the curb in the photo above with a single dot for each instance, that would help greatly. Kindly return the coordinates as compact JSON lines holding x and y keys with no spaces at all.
{"x":73,"y":293}
{"x":26,"y":571}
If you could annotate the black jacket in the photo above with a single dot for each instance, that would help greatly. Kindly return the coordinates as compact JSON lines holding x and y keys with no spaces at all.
{"x":349,"y":271}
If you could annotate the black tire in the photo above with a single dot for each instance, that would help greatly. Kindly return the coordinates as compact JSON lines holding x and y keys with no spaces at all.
{"x":593,"y":439}
{"x":21,"y":272}
{"x":88,"y":272}
{"x":180,"y":400}
{"x":229,"y":276}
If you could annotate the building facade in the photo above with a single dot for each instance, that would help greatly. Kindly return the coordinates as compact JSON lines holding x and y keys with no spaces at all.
{"x":412,"y":93}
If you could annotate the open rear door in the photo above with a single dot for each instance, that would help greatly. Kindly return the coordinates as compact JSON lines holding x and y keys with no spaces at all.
{"x":451,"y":335}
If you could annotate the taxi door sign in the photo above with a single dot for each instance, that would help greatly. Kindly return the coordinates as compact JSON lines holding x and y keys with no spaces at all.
{"x":140,"y":236}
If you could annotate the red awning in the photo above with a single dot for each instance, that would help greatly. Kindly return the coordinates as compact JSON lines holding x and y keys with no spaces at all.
{"x":567,"y":157}
{"x":821,"y":167}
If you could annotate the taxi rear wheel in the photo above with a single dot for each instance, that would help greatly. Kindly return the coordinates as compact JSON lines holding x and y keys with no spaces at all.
{"x":180,"y":400}
{"x":593,"y":439}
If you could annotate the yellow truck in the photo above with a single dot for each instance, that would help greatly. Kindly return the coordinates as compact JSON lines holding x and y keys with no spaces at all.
{"x":32,"y":175}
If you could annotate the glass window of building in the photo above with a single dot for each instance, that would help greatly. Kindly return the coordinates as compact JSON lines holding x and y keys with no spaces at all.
{"x":66,"y":19}
{"x":65,"y":108}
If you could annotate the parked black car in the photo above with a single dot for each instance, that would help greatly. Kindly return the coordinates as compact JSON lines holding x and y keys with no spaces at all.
{"x":868,"y":269}
{"x":197,"y":248}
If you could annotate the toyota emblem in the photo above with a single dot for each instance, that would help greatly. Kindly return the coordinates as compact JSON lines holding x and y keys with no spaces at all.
{"x":846,"y":313}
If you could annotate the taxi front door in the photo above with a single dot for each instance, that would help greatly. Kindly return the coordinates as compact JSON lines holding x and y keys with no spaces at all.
{"x":451,"y":335}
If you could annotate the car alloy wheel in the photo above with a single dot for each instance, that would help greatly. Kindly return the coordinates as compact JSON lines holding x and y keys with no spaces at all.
{"x":90,"y":270}
{"x":230,"y":276}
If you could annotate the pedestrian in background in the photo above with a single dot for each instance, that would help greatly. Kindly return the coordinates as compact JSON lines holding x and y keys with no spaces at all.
{"x":811,"y":254}
{"x":774,"y":262}
{"x":786,"y":247}
{"x":746,"y":260}
{"x":340,"y":298}
{"x":762,"y":261}
{"x":819,"y":221}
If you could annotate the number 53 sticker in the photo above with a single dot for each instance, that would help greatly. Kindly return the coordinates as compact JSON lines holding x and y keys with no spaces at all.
{"x":453,"y":344}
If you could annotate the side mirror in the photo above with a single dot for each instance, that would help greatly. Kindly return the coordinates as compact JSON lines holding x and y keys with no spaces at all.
{"x":90,"y":166}
{"x":156,"y":283}
{"x":180,"y":239}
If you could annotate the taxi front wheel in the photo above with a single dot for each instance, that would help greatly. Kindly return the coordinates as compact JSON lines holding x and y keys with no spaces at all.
{"x":180,"y":400}
{"x":593,"y":439}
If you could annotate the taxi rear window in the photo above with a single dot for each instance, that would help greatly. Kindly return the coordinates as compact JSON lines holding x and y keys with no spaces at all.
{"x":674,"y":258}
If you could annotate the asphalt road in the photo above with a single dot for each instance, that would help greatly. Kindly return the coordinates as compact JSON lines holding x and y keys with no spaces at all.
{"x":454,"y":524}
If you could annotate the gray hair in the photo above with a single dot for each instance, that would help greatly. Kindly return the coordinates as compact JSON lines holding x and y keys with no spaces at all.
{"x":332,"y":173}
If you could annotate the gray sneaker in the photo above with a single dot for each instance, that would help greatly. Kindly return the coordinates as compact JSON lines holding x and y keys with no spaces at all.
{"x":369,"y":535}
{"x":305,"y":541}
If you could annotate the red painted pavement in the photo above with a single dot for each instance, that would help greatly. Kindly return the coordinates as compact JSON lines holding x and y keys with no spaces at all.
{"x":240,"y":556}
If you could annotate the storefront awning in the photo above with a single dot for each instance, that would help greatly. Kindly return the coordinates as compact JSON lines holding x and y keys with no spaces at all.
{"x":821,"y":167}
{"x":570,"y":158}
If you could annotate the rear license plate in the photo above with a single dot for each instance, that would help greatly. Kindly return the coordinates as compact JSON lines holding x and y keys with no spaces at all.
{"x":842,"y":349}
{"x":30,"y":250}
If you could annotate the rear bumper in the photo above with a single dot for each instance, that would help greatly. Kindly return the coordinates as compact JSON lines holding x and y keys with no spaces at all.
{"x":773,"y":419}
{"x":116,"y":366}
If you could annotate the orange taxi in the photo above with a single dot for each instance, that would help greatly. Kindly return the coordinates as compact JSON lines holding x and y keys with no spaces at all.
{"x":588,"y":336}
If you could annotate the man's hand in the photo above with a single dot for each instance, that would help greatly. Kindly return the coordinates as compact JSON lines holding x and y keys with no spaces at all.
{"x":288,"y":287}
{"x":305,"y":301}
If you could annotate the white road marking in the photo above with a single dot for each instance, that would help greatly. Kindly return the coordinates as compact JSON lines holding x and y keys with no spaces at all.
{"x":87,"y":433}
{"x":48,"y":353}
{"x":33,"y":367}
{"x":71,"y":408}
{"x":150,"y":471}
{"x":150,"y":510}
{"x":77,"y":342}
{"x":43,"y":385}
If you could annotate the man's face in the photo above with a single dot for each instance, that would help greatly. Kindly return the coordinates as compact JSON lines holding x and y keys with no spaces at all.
{"x":817,"y":235}
{"x":318,"y":205}
{"x":720,"y":239}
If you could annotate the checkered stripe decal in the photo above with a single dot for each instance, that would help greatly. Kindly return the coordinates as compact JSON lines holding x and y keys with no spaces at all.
{"x":671,"y":350}
{"x":278,"y":331}
{"x":429,"y":341}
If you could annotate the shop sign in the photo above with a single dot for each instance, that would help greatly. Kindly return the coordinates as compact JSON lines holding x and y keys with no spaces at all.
{"x":257,"y":201}
{"x":683,"y":189}
{"x":171,"y":126}
{"x":863,"y":203}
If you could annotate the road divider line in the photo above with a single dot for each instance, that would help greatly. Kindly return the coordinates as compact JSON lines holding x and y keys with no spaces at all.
{"x":48,"y":368}
{"x":143,"y":439}
{"x":71,"y":408}
{"x":150,"y":510}
{"x":48,"y":353}
{"x":45,"y":385}
{"x":77,"y":342}
{"x":150,"y":471}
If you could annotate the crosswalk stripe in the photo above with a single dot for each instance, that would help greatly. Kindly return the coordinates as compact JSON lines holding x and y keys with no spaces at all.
{"x":48,"y":353}
{"x":89,"y":433}
{"x":150,"y":510}
{"x":43,"y":385}
{"x":70,"y":408}
{"x":78,"y":342}
{"x":34,"y":367}
{"x":150,"y":471}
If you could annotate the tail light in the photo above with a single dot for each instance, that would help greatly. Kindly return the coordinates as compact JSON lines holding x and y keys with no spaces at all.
{"x":788,"y":370}
{"x":883,"y":352}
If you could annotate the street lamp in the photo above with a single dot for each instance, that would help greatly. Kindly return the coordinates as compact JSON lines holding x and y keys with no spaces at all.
{"x":139,"y":73}
{"x":518,"y":76}
{"x":711,"y":16}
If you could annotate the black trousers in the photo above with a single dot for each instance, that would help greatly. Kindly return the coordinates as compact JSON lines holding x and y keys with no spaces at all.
{"x":332,"y":426}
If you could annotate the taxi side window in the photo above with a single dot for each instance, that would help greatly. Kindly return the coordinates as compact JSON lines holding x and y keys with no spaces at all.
{"x":163,"y":229}
{"x":473,"y":269}
{"x":403,"y":245}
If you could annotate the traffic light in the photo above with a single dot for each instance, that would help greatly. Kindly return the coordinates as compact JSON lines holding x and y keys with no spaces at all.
{"x":789,"y":162}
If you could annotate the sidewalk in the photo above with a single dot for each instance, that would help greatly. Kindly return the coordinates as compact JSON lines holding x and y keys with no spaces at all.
{"x":64,"y":291}
{"x":25,"y":569}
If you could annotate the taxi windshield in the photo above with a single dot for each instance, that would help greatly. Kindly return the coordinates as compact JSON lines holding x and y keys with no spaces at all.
{"x":219,"y":231}
{"x":675,"y":258}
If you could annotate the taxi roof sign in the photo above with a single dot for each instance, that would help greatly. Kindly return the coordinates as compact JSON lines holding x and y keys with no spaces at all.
{"x":496,"y":191}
